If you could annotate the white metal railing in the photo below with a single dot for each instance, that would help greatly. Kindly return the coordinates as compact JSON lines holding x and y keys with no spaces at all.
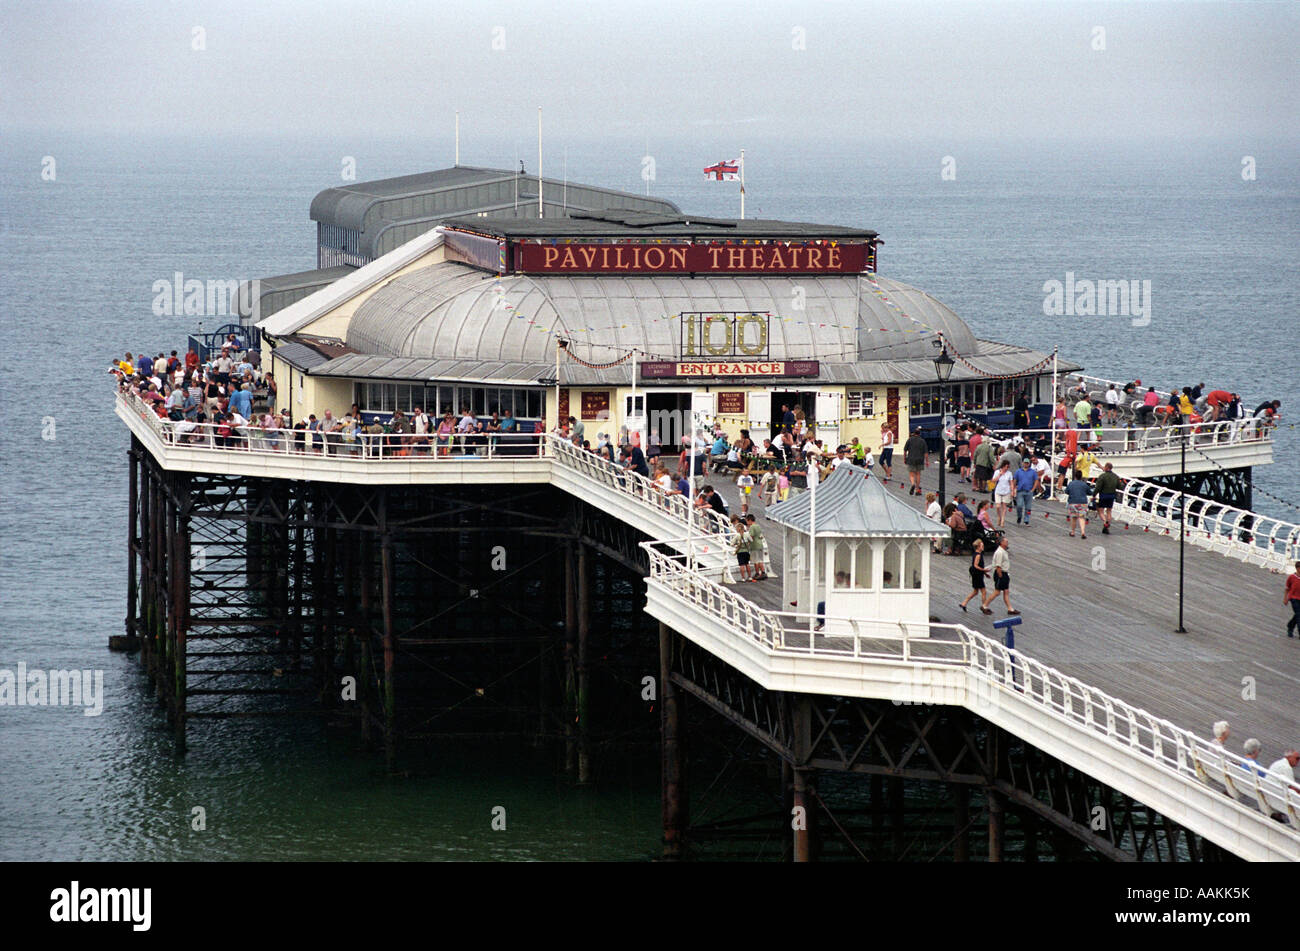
{"x":1097,"y":387}
{"x":392,"y":447}
{"x":374,"y":447}
{"x":1117,"y":440}
{"x":636,"y":486}
{"x":1238,"y":533}
{"x":993,"y":665}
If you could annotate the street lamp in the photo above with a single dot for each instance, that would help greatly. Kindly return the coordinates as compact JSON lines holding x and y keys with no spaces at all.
{"x":943,"y":365}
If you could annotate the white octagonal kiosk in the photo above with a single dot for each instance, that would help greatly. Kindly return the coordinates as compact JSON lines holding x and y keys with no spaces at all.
{"x":871,"y":558}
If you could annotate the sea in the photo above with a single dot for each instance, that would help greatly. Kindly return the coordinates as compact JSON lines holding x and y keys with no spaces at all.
{"x":90,"y":223}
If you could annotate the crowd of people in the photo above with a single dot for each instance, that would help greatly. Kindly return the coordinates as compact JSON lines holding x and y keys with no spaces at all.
{"x":229,"y":402}
{"x":1188,"y":405}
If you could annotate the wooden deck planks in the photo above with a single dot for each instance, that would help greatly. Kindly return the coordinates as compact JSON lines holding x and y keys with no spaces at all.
{"x":1114,"y":627}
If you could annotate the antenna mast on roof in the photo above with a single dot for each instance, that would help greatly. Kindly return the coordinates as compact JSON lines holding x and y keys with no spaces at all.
{"x":540,"y":213}
{"x":457,"y":162}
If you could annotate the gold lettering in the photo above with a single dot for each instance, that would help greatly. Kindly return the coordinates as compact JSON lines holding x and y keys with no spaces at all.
{"x":636,"y":258}
{"x":794,"y":258}
{"x":833,"y":258}
{"x":756,"y":348}
{"x":713,"y":257}
{"x":735,"y":259}
{"x":604,"y":258}
{"x":654,"y":258}
{"x":776,"y":260}
{"x":815,"y":257}
{"x":549,"y":255}
{"x":756,"y":258}
{"x":619,"y":263}
{"x":678,"y":258}
{"x":726,"y":346}
{"x":589,"y":256}
{"x":568,"y":261}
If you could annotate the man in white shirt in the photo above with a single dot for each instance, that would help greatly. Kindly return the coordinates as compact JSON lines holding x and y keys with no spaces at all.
{"x":841,"y":457}
{"x":1284,"y":769}
{"x":1112,"y":404}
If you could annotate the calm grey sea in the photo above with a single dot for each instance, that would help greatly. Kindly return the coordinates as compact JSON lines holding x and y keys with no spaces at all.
{"x":81,"y":253}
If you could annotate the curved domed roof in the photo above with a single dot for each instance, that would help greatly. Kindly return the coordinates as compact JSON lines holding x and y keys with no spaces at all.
{"x":450,"y":311}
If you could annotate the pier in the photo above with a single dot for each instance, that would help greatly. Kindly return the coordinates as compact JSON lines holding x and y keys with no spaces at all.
{"x":275,"y":555}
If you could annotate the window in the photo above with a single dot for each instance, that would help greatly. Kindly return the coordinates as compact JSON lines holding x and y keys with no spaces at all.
{"x":861,"y":404}
{"x":972,"y":396}
{"x":639,"y":408}
{"x":997,"y":394}
{"x":893,"y":566}
{"x":843,"y":564}
{"x":923,"y":401}
{"x":862,"y":566}
{"x":912,"y":566}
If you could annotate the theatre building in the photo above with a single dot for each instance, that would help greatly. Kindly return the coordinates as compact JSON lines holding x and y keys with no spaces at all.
{"x":627,"y":318}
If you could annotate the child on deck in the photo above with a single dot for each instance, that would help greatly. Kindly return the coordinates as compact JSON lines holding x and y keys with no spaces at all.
{"x":745,"y":483}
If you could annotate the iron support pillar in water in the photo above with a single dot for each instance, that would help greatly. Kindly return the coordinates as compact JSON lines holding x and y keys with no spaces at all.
{"x":801,"y":734}
{"x":996,"y":820}
{"x":570,"y":660}
{"x":672,"y":727}
{"x":584,"y":632}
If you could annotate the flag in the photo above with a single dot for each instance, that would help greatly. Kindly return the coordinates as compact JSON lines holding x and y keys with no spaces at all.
{"x":724,"y":171}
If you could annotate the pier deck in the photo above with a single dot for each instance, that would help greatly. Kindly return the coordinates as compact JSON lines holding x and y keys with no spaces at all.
{"x":1114,"y":627}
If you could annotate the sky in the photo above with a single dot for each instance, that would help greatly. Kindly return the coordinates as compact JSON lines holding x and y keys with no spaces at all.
{"x":1093,"y":71}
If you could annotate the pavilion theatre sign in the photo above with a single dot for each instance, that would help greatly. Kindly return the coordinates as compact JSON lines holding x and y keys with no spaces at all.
{"x":819,"y":256}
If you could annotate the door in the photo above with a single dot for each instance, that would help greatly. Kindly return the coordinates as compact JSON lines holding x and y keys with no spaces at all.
{"x":830,"y":411}
{"x":760,"y":417}
{"x":634,"y":419}
{"x":702,"y":413}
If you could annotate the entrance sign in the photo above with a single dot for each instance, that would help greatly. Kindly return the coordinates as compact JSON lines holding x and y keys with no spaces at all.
{"x":664,"y":369}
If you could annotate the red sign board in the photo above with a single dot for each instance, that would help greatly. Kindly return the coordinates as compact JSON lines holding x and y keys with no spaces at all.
{"x":663,"y":369}
{"x":774,"y":257}
{"x":731,"y":404}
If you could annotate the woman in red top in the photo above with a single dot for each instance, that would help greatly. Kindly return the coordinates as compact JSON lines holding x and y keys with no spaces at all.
{"x":1217,"y":400}
{"x":1292,"y":597}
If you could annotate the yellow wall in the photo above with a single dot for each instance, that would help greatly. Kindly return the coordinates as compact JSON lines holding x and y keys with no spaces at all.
{"x":314,"y":395}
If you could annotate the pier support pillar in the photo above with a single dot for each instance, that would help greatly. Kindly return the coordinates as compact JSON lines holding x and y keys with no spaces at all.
{"x":390,"y":695}
{"x":897,"y":818}
{"x":570,"y":661}
{"x":961,"y":823}
{"x":584,"y":637}
{"x":996,"y":821}
{"x":132,"y":521}
{"x":365,"y":680}
{"x":802,"y":811}
{"x":672,"y":724}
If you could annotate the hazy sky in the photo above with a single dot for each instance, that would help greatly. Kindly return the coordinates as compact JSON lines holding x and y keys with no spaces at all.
{"x":1097,"y":70}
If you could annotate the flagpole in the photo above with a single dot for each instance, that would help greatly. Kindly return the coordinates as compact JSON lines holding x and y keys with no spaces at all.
{"x":457,"y":137}
{"x":540,"y":213}
{"x":742,"y":184}
{"x":814,"y":472}
{"x":1051,"y":462}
